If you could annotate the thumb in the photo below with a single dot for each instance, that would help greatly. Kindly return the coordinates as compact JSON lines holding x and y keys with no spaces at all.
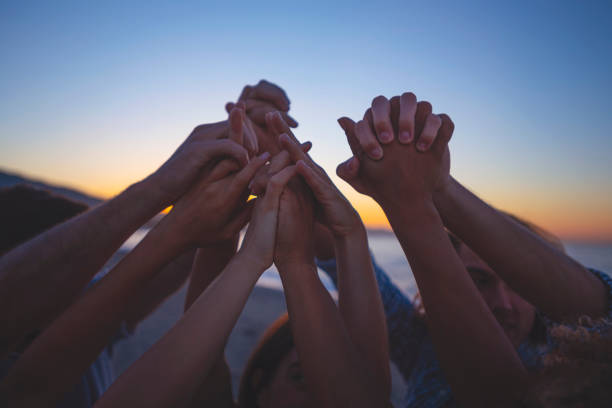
{"x":349,"y":169}
{"x":349,"y":172}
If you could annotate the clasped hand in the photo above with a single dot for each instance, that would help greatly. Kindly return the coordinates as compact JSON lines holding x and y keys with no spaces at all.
{"x":400,"y":151}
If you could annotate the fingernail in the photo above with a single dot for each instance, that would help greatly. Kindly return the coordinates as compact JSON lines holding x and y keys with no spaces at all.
{"x":385,"y":137}
{"x":264,"y":155}
{"x":421,"y":146}
{"x":377,"y":153}
{"x":405,"y":137}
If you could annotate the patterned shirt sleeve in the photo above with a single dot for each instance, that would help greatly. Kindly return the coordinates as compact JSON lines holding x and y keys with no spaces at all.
{"x":405,"y":331}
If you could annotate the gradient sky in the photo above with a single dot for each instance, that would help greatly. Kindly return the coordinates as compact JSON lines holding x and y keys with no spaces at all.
{"x":96,"y":95}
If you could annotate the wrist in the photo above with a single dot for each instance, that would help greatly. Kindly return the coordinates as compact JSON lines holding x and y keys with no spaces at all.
{"x":356,"y":235}
{"x":285,"y":264}
{"x":150,"y":191}
{"x":162,"y":241}
{"x":253,"y":261}
{"x":170,"y":231}
{"x":412,"y":214}
{"x":444,"y":195}
{"x":296,"y":269}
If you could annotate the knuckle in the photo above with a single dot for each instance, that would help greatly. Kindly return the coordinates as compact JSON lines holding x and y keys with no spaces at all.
{"x":447,"y":120}
{"x":434,"y":119}
{"x":406,"y":123}
{"x":274,"y":184}
{"x":198,"y":129}
{"x":369,"y":144}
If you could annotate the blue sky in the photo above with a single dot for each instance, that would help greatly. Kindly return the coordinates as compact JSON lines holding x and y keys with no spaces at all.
{"x":97,"y":95}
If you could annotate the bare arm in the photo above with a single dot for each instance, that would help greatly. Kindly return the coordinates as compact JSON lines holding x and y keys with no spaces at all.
{"x":42,"y":277}
{"x":542,"y":274}
{"x":189,"y":351}
{"x":51,"y":364}
{"x":166,"y":282}
{"x":65,"y":259}
{"x":216,"y":387}
{"x":360,"y":304}
{"x":333,"y":371}
{"x":478,"y":359}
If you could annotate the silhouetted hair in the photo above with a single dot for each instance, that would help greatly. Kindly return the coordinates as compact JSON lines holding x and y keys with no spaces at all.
{"x":26,"y":211}
{"x":274,"y":345}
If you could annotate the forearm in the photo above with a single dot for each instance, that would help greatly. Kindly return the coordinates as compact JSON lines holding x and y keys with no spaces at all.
{"x":473,"y":349}
{"x":164,"y":284}
{"x":190,"y":349}
{"x":65,"y":258}
{"x":540,"y":273}
{"x":209,"y":262}
{"x":327,"y":356}
{"x":361,"y":307}
{"x":56,"y":359}
{"x":216,"y":387}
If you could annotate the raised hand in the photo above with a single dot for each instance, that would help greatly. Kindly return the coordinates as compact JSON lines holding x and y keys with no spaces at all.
{"x":201,"y":334}
{"x":398,"y":170}
{"x":277,"y":162}
{"x":333,"y":209}
{"x":260,"y":239}
{"x":193,"y":158}
{"x":294,"y":239}
{"x":259,"y":100}
{"x":215,"y":208}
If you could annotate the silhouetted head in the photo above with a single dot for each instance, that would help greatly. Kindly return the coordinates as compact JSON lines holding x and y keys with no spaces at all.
{"x":26,"y":211}
{"x":516,"y":316}
{"x":273,"y":376}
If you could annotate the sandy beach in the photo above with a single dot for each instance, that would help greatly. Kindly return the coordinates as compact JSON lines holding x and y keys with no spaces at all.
{"x":263,"y":307}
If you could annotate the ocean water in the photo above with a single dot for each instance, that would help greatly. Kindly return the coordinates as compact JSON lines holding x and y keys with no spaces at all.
{"x":389,"y":256}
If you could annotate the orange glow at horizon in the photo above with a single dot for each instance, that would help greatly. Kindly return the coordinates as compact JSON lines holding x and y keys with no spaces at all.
{"x":564,"y":215}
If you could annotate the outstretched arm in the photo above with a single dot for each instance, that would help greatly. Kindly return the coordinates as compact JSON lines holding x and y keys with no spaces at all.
{"x":359,"y":299}
{"x":216,"y":387}
{"x":542,"y":274}
{"x":42,"y":277}
{"x":189,"y":351}
{"x":333,"y":371}
{"x":51,"y":365}
{"x":478,"y":359}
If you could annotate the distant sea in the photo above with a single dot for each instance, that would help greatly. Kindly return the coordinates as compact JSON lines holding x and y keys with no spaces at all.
{"x":389,"y":256}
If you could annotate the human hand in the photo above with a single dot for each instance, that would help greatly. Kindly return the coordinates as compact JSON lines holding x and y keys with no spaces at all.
{"x":278,"y":162}
{"x":260,"y":239}
{"x":198,"y":154}
{"x":426,"y":162}
{"x":215,"y":208}
{"x":259,"y":100}
{"x":294,"y":237}
{"x":333,"y":210}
